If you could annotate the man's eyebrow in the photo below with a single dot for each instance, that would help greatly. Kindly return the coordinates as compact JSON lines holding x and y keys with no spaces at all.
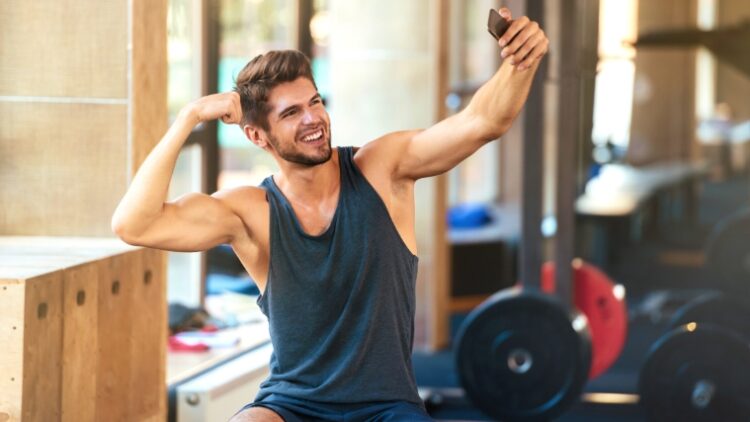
{"x":293,"y":106}
{"x":290,"y":108}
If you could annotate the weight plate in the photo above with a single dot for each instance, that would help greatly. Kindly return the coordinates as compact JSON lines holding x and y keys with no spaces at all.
{"x":603,"y":303}
{"x":522,"y":356}
{"x":717,"y":309}
{"x":697,"y":372}
{"x":728,"y":254}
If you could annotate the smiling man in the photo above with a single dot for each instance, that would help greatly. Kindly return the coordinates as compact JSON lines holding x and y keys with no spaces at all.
{"x":329,"y":239}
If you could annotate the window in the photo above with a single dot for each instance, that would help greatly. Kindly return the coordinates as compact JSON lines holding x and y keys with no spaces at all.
{"x":613,"y":95}
{"x":705,"y":71}
{"x":248,"y":28}
{"x":184,"y":64}
{"x":319,"y":32}
{"x":184,"y":61}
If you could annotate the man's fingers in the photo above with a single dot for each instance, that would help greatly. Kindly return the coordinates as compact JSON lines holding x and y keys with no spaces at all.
{"x":526,"y":34}
{"x":530,"y":43}
{"x":537,"y":53}
{"x":505,"y":12}
{"x":523,"y":42}
{"x":515,"y":27}
{"x":234,"y":114}
{"x":230,"y":119}
{"x":237,"y":107}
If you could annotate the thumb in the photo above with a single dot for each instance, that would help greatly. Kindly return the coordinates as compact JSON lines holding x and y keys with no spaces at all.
{"x":505,"y":12}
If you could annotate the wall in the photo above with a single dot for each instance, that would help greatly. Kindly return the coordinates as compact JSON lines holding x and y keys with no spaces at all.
{"x":82,"y":102}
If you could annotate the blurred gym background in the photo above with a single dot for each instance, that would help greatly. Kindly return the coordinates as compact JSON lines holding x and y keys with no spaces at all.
{"x":661,"y":128}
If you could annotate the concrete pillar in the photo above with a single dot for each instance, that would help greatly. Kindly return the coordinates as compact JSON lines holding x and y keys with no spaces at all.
{"x":384,"y":78}
{"x":663,"y":123}
{"x":732,"y":86}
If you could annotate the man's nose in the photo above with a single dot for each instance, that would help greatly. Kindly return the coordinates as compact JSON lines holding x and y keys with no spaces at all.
{"x":308,"y":116}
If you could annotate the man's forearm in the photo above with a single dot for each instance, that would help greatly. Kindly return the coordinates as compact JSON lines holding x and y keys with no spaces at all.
{"x":500,"y":99}
{"x":145,"y":197}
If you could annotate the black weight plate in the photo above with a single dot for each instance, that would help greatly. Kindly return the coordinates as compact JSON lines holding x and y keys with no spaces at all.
{"x":729,"y":252}
{"x":717,"y":309}
{"x":697,"y":372}
{"x":522,"y":356}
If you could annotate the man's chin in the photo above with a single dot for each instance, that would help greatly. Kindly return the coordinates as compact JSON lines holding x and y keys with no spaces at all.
{"x":322,"y":157}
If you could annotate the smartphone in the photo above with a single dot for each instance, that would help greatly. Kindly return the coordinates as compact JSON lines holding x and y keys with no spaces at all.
{"x":496,"y":24}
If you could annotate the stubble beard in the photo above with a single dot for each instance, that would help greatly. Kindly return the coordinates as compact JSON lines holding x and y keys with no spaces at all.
{"x":291,"y":154}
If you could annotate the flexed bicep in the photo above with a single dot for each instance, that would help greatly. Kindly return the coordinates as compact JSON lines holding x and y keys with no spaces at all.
{"x":193,"y":222}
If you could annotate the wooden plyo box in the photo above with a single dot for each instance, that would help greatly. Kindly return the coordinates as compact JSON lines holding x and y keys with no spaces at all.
{"x":83,"y":329}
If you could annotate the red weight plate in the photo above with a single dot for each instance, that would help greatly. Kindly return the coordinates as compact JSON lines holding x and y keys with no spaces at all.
{"x":603,"y":303}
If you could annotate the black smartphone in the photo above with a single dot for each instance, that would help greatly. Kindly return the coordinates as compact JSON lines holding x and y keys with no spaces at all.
{"x":496,"y":24}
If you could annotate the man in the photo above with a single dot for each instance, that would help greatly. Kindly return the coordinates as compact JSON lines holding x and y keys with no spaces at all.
{"x":329,"y":240}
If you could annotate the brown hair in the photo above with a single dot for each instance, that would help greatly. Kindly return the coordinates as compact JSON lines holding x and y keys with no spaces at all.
{"x":263,"y":73}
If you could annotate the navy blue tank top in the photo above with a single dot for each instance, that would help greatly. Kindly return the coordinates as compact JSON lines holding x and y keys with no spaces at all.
{"x":340,"y":305}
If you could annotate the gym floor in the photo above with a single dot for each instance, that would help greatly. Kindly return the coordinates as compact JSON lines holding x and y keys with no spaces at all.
{"x":648,"y":279}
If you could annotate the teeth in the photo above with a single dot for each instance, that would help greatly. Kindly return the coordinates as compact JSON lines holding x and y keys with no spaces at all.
{"x":313,"y":137}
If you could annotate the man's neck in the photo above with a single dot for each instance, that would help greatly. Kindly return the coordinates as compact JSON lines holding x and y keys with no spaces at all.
{"x":310,"y":184}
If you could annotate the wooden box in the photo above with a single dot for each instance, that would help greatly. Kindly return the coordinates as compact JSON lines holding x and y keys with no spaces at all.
{"x":83,"y":328}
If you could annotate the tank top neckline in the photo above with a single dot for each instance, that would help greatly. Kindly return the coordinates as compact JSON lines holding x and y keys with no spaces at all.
{"x":336,"y":213}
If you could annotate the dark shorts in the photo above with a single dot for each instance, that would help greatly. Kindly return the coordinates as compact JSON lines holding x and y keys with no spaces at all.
{"x":296,"y":410}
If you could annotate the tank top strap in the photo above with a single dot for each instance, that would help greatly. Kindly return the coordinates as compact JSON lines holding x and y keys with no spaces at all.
{"x":351,"y":178}
{"x":348,"y":171}
{"x":282,"y":213}
{"x":275,"y":198}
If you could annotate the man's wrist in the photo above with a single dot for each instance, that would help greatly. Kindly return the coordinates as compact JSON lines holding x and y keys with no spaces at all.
{"x":189,"y":115}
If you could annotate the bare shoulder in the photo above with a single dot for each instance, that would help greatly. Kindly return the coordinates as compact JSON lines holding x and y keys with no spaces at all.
{"x":247,"y":202}
{"x":241,"y":195}
{"x":379,"y":162}
{"x":381,"y":156}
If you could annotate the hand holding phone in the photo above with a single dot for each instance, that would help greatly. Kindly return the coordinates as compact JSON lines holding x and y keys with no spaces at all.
{"x":496,"y":24}
{"x":523,"y":40}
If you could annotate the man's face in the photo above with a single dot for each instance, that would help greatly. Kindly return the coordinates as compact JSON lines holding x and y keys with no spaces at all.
{"x":299,"y":126}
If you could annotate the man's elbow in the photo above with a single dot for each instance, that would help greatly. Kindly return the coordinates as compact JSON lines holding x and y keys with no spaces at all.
{"x":488,"y":128}
{"x":124,"y":231}
{"x":503,"y":127}
{"x":494,"y":129}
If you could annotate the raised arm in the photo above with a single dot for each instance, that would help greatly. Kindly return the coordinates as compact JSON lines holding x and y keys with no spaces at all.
{"x":489,"y":114}
{"x":194,"y":221}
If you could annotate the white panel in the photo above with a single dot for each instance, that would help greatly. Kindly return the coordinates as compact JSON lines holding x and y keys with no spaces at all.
{"x":220,"y":393}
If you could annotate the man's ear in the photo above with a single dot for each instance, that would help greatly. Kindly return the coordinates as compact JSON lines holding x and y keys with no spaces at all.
{"x":255,"y":135}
